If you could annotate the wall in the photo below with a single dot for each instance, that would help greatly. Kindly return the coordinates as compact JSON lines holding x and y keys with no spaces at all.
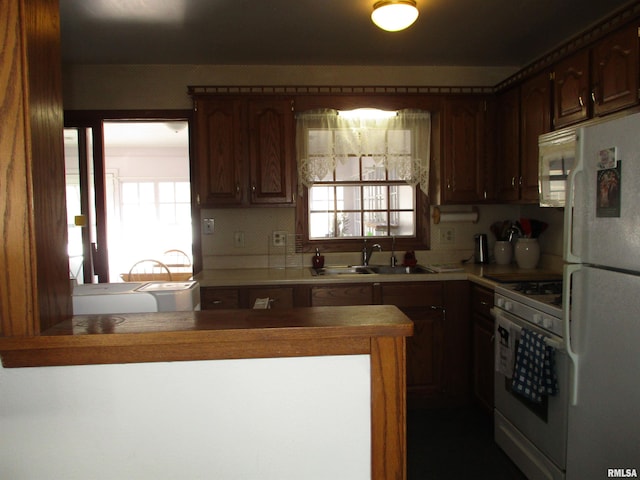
{"x":165,"y":87}
{"x":117,"y":87}
{"x":268,"y":419}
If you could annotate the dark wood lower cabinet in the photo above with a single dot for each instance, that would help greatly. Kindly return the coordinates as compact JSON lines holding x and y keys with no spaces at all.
{"x":425,"y":355}
{"x":483,"y":346}
{"x":439,"y":354}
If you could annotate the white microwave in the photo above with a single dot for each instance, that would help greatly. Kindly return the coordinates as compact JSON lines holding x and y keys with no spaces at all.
{"x":557,"y":154}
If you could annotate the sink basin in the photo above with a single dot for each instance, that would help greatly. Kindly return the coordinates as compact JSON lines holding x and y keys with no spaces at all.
{"x":398,"y":269}
{"x":369,"y":270}
{"x":349,"y":270}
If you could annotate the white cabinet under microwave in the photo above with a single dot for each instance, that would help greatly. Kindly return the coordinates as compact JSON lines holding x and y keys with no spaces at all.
{"x":557,"y":154}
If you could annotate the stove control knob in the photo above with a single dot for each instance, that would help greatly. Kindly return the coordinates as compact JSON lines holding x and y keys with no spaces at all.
{"x":500,"y":302}
{"x":547,"y":322}
{"x":537,"y":319}
{"x":508,"y":306}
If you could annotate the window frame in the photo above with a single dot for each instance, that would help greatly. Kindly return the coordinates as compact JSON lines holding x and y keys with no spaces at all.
{"x":422,"y":238}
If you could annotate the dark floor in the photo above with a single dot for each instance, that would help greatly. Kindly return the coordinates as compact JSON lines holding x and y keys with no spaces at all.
{"x":455,"y":443}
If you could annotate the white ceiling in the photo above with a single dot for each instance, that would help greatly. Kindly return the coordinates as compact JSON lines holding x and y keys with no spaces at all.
{"x":319,"y":32}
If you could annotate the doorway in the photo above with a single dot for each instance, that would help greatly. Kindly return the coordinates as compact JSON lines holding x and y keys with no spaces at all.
{"x":128,"y":195}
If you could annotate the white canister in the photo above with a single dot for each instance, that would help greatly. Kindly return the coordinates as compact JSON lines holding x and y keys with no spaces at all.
{"x":527,"y":252}
{"x":503,"y":252}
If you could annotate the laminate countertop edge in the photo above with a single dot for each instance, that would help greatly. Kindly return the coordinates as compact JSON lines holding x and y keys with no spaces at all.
{"x":207,"y":335}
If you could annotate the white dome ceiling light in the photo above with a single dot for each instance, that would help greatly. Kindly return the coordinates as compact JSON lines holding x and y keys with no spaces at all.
{"x":394,"y":15}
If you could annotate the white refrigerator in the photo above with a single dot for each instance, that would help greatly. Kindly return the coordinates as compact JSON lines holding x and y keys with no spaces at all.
{"x":602,"y":301}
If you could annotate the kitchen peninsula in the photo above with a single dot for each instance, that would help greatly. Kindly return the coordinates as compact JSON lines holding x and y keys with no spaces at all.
{"x":286,"y":374}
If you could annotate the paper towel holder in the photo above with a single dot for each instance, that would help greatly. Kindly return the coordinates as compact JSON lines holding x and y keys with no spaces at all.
{"x":443,"y":217}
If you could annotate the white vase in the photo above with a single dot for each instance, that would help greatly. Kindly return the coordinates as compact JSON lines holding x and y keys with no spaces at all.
{"x":503,"y":252}
{"x":527,"y":252}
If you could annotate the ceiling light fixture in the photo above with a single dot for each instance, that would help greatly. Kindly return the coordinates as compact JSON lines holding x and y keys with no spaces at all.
{"x":394,"y":15}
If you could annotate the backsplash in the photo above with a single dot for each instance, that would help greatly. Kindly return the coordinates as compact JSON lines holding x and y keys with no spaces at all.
{"x":243,"y":238}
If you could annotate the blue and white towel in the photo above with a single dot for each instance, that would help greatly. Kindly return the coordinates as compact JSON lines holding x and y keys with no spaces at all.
{"x":534,"y":371}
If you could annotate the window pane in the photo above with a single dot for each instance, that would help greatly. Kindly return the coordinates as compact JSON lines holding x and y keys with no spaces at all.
{"x":373,"y":168}
{"x":347,"y":142}
{"x":403,"y":196}
{"x":375,"y":197}
{"x":349,"y":224}
{"x":183,"y":192}
{"x":129,"y":193}
{"x":167,"y":213}
{"x":373,"y":141}
{"x":166,"y":192}
{"x":320,"y":142}
{"x":375,"y":224}
{"x":347,"y":169}
{"x":399,"y":141}
{"x":403,"y":224}
{"x":147,"y":192}
{"x":321,"y":199}
{"x":322,"y":225}
{"x":348,"y":198}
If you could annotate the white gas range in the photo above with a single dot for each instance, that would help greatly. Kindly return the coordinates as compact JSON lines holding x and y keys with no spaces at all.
{"x":532,"y":434}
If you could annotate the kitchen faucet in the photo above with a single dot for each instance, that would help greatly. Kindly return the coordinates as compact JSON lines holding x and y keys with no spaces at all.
{"x":366,"y":254}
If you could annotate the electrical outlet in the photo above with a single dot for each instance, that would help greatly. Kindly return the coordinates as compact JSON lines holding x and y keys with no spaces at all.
{"x":238,"y":239}
{"x":279,"y":238}
{"x":447,"y":235}
{"x":207,"y":226}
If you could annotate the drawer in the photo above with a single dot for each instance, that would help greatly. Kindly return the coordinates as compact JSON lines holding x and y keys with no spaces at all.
{"x":279,"y":297}
{"x":481,"y":300}
{"x":422,"y":294}
{"x":342,"y":295}
{"x":219,"y":298}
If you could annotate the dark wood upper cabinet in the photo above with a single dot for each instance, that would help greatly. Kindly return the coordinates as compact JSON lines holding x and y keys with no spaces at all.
{"x":218,"y":147}
{"x":535,"y":119}
{"x":244,"y":151}
{"x":271,"y":151}
{"x":615,"y":71}
{"x":571,"y":90}
{"x":508,"y":140}
{"x":464,"y":153}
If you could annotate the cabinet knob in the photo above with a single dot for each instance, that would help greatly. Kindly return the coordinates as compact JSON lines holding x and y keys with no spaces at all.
{"x":253,"y":188}
{"x":593,"y":96}
{"x":238,"y":188}
{"x":580,"y":100}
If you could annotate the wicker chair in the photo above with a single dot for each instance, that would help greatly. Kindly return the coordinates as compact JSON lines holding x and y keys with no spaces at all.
{"x":148,"y":270}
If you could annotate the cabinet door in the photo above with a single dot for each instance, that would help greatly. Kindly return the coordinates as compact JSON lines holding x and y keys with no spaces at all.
{"x":535,"y":119}
{"x":279,"y":297}
{"x":483,"y":353}
{"x":337,"y":295}
{"x":571,"y":90}
{"x":615,"y":71}
{"x":508,"y":165}
{"x":425,"y":356}
{"x":219,"y":298}
{"x":464,"y":150}
{"x":271,"y":151}
{"x":483,"y":360}
{"x":219,"y":151}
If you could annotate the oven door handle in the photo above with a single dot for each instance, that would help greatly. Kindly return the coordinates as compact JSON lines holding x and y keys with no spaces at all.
{"x":569,"y":270}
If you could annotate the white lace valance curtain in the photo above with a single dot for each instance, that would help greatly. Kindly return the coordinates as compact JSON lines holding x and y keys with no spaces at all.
{"x":400,"y":143}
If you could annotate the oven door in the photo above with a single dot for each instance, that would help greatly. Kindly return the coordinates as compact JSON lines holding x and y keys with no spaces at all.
{"x":544,"y":425}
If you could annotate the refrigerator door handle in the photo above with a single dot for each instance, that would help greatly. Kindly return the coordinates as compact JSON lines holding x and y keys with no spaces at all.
{"x":569,"y":254}
{"x":569,"y":270}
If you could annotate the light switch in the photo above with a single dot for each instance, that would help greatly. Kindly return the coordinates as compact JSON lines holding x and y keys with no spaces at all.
{"x":207,"y":226}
